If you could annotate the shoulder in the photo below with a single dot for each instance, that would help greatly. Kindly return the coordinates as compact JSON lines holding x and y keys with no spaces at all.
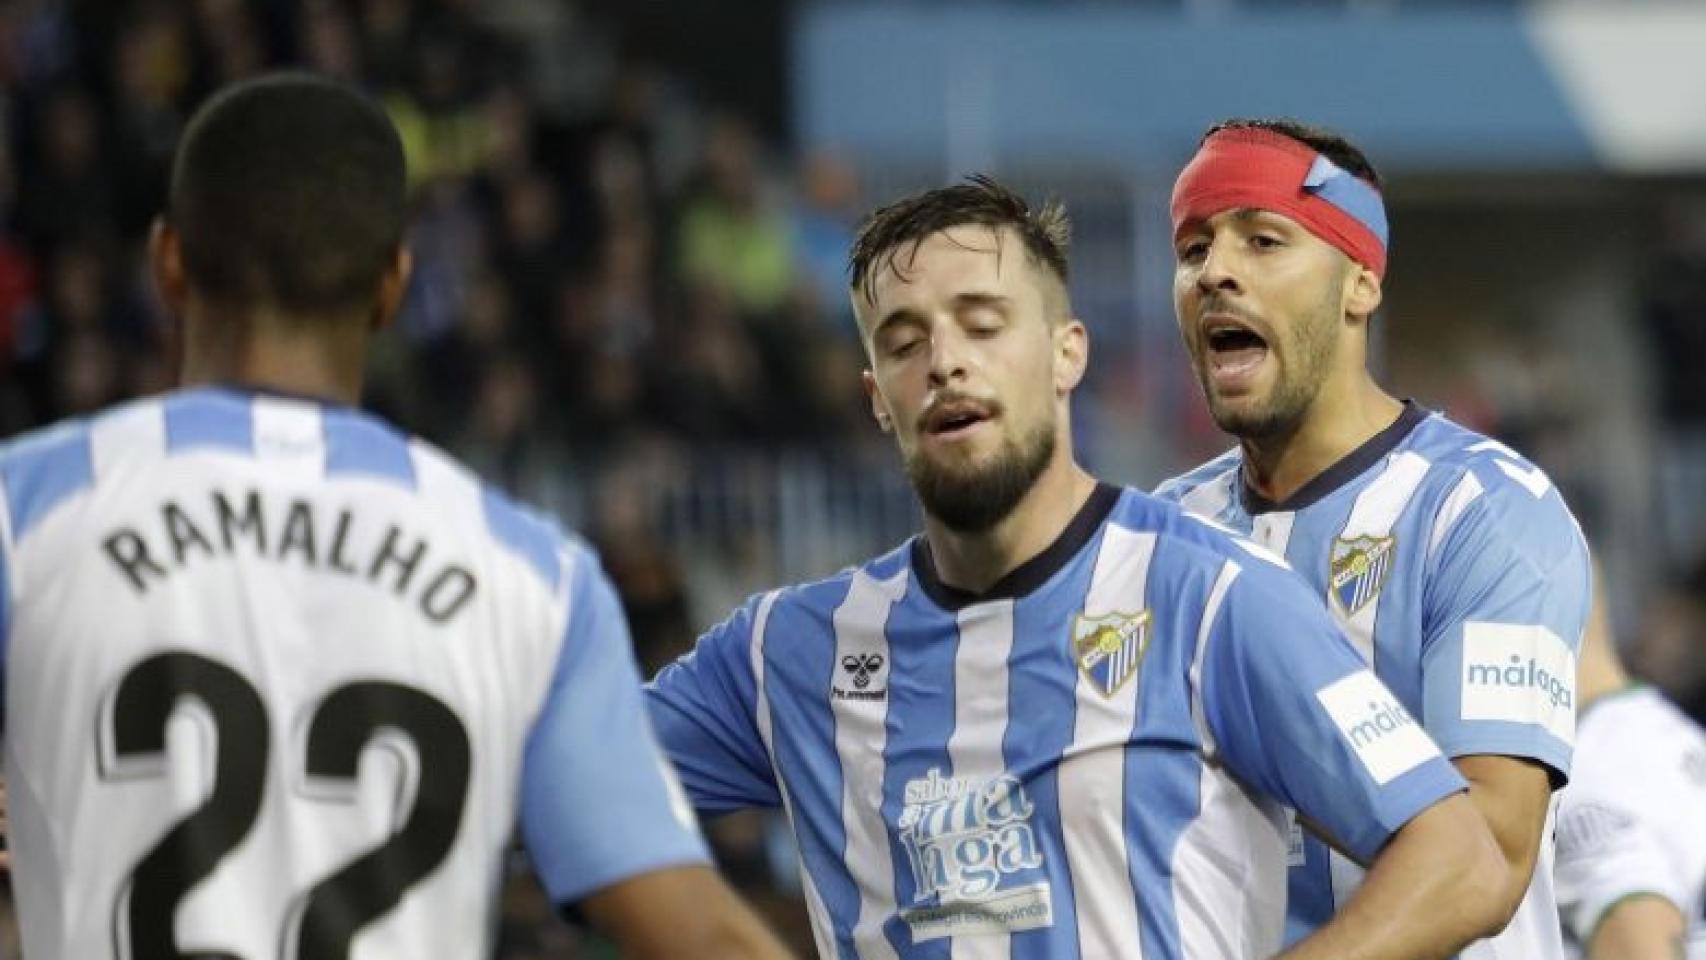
{"x":808,"y":608}
{"x":1209,"y":474}
{"x":557,"y":556}
{"x":1485,"y":485}
{"x":1190,"y":541}
{"x":43,"y":468}
{"x":881,"y":581}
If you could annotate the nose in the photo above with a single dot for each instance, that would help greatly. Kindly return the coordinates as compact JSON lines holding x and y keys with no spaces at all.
{"x":949,"y":356}
{"x":1216,"y":272}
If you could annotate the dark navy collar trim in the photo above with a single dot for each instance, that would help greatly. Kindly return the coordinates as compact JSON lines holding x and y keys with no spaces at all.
{"x":1348,"y":468}
{"x":1029,"y":575}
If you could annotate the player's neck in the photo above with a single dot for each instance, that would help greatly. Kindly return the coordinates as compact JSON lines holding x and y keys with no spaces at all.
{"x":1341,"y":419}
{"x":975,"y":562}
{"x":311,"y":359}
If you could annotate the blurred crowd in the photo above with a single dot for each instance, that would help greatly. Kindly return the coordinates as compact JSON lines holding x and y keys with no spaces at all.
{"x":609,"y":276}
{"x":614,"y":280}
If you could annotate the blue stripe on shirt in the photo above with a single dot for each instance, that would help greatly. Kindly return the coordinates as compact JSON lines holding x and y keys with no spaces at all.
{"x":529,"y":536}
{"x":43,"y":469}
{"x":1039,"y":673}
{"x":209,"y":418}
{"x":356,"y":444}
{"x":801,"y":718}
{"x":920,"y":721}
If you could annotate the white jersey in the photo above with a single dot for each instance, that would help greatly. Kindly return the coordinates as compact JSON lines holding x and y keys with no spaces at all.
{"x":277,"y":680}
{"x":1632,"y":822}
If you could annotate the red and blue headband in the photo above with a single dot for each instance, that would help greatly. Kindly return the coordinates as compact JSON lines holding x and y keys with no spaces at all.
{"x":1249,"y":167}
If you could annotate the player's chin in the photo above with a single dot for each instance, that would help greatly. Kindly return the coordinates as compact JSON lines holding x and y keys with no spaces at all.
{"x":1242,"y":414}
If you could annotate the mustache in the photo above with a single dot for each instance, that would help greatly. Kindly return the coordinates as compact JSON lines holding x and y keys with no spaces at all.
{"x":989,"y":406}
{"x":1218,"y":303}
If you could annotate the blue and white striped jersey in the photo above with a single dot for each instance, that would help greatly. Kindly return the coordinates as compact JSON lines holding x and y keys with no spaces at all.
{"x":1460,"y":575}
{"x":1090,"y":760}
{"x":277,"y":679}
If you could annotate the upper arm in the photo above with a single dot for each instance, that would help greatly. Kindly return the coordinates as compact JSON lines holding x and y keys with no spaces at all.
{"x":599,"y":803}
{"x":704,"y":917}
{"x":705,"y":707}
{"x":1512,"y":794}
{"x":1296,"y":714}
{"x":1505,"y":604}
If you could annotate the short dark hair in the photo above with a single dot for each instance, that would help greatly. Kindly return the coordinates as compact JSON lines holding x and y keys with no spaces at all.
{"x":1329,"y":143}
{"x":981,"y":200}
{"x":289,"y":191}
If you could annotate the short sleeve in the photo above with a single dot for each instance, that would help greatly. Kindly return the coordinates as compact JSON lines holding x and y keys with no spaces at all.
{"x":705,"y":707}
{"x":599,"y":803}
{"x":1294,"y":712}
{"x":1504,"y":608}
{"x":1607,"y":854}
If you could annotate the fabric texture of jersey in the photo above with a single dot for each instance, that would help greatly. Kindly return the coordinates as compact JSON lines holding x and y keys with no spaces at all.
{"x":277,"y":680}
{"x":1630,"y":822}
{"x":1459,"y":574}
{"x":1092,"y":759}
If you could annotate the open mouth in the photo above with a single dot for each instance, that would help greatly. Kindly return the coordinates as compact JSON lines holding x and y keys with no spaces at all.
{"x":1234,"y":349}
{"x":955,"y":416}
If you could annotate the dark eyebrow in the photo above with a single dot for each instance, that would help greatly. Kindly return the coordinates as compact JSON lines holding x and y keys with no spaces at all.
{"x":980,"y":299}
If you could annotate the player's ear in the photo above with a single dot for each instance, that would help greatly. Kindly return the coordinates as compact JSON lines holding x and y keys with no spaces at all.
{"x":1363,"y":293}
{"x":1071,"y":354}
{"x":166,"y":264}
{"x":879,"y":409}
{"x":393,"y":287}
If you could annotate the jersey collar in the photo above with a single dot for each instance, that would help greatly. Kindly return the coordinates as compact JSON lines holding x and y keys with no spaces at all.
{"x":1346,"y":469}
{"x":1029,"y":575}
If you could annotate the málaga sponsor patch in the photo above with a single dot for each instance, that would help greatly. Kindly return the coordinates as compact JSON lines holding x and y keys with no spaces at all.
{"x":1384,"y":736}
{"x":1520,"y":673}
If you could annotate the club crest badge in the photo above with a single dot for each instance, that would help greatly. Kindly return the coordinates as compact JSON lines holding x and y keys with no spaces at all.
{"x":1109,"y":648}
{"x":1358,"y":569}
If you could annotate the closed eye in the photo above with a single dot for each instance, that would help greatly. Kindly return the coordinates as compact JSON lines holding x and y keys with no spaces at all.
{"x":905,"y":348}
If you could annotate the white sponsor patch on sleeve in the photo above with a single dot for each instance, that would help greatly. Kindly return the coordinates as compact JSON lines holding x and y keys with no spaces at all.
{"x":1519,"y":673}
{"x":1384,"y":736}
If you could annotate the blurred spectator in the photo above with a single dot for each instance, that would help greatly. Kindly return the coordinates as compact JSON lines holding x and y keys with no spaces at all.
{"x":825,"y":215}
{"x":69,"y":188}
{"x":732,"y":239}
{"x":645,"y":570}
{"x":328,"y":41}
{"x":1671,"y":648}
{"x":233,"y":40}
{"x":1675,"y":307}
{"x":151,"y":75}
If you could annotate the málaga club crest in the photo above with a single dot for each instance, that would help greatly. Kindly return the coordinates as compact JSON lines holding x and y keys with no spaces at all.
{"x":1110,"y":647}
{"x":1358,"y":569}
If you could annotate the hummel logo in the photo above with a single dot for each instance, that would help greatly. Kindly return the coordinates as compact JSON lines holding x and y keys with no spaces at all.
{"x":863,"y":668}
